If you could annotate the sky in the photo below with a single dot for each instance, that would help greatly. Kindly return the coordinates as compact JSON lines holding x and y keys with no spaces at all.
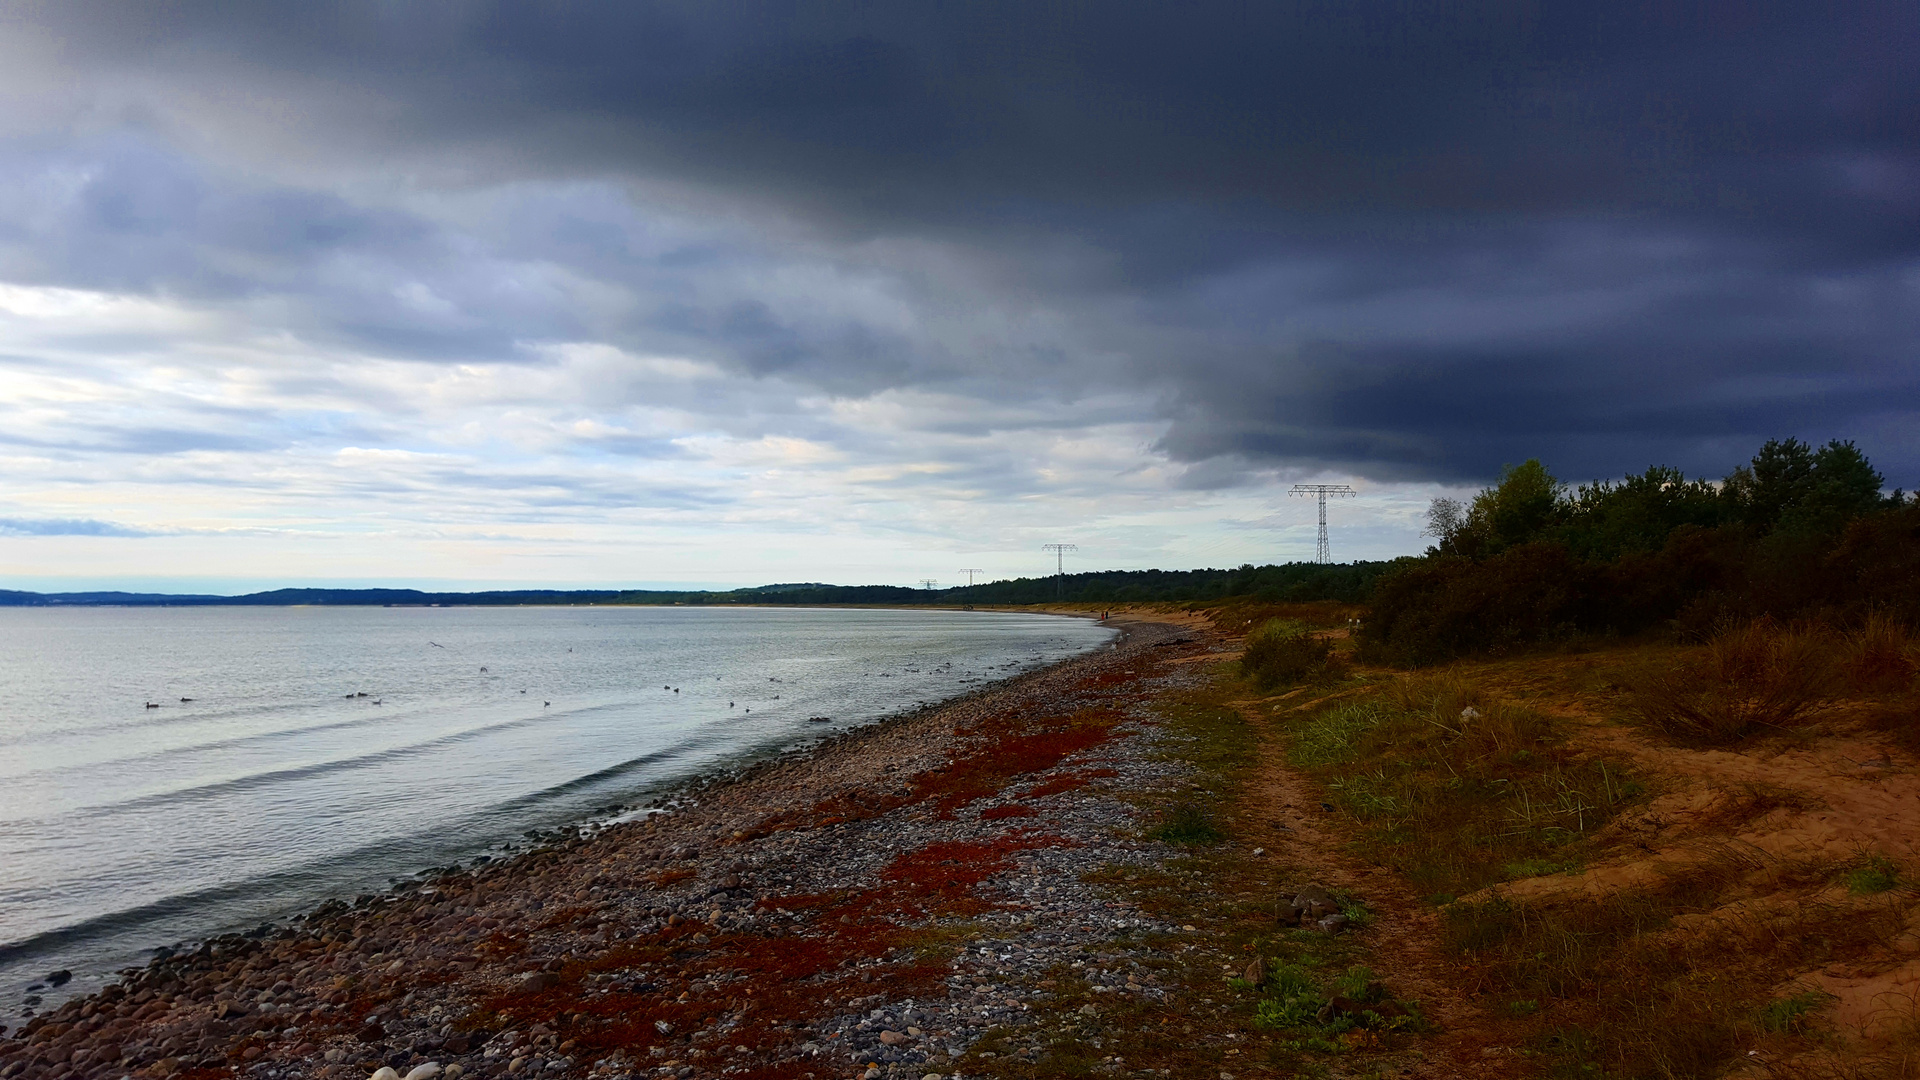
{"x":468,"y":295}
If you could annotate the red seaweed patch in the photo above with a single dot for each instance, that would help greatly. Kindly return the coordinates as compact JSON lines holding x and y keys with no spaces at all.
{"x":1067,"y":782}
{"x":754,"y":989}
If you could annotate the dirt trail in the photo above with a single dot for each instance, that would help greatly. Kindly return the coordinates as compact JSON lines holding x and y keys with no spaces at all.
{"x":1287,"y":818}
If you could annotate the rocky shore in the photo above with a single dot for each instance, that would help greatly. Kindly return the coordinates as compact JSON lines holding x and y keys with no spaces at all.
{"x":869,"y":908}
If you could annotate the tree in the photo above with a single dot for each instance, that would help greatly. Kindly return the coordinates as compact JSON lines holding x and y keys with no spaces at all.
{"x":1606,"y":520}
{"x":1445,"y":519}
{"x":1793,"y":488}
{"x":1518,"y":509}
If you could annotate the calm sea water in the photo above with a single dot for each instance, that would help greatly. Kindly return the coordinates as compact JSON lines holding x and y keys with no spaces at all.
{"x":327,"y":751}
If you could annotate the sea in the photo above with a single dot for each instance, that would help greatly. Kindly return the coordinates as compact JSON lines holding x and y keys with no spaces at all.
{"x":168,"y":774}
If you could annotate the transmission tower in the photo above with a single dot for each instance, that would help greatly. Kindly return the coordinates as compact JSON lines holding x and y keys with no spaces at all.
{"x":1059,"y":564}
{"x":969,"y":571}
{"x":1338,"y":491}
{"x":928,"y":583}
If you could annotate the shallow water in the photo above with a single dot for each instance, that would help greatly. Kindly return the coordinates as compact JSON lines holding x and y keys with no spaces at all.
{"x":327,"y":751}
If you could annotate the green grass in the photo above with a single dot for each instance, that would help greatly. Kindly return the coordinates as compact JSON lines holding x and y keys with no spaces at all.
{"x":1790,"y":1013}
{"x":1875,"y":875}
{"x":1187,"y":823}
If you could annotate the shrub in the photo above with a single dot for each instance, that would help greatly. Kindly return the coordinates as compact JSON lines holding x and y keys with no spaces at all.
{"x":1283,"y":652}
{"x":1751,"y":678}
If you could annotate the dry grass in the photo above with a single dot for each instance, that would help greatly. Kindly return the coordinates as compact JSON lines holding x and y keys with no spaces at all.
{"x":1759,"y":677}
{"x":1666,"y":981}
{"x":1880,"y":656}
{"x":1455,"y":789}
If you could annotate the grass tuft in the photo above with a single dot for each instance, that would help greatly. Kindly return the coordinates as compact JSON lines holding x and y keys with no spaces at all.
{"x":1790,"y":1014}
{"x":1877,"y":874}
{"x":1187,"y":823}
{"x":1750,"y":679}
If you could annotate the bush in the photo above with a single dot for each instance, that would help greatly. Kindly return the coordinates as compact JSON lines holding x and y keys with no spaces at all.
{"x":1746,"y":680}
{"x":1283,"y":652}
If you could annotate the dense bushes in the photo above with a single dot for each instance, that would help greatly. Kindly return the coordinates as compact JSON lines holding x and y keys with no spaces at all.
{"x":1797,"y":533}
{"x":1283,"y":652}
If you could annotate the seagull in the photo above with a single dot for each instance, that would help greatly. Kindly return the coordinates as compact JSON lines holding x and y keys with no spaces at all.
{"x":152,"y":705}
{"x":523,"y":691}
{"x":544,"y":704}
{"x":436,"y":645}
{"x":186,"y":699}
{"x":376,"y":701}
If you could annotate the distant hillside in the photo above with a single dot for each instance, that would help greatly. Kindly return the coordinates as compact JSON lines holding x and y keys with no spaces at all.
{"x":1291,"y":582}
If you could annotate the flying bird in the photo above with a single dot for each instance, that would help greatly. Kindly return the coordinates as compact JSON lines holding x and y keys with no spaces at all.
{"x":436,"y":645}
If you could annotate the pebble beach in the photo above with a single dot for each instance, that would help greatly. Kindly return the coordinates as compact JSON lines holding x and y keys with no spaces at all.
{"x":869,"y":907}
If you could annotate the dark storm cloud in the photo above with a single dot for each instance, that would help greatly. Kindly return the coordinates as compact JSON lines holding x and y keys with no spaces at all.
{"x":1414,"y":239}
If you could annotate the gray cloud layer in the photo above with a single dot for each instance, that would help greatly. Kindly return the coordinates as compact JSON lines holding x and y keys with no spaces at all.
{"x":1412,"y":240}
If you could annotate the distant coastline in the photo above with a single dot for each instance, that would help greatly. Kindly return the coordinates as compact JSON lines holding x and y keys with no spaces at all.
{"x":1347,"y":582}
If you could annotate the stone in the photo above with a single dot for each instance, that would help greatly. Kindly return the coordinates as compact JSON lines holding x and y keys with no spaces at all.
{"x":59,"y":978}
{"x":894,"y":1038}
{"x":429,"y":1071}
{"x":1314,"y":902}
{"x":384,"y":1072}
{"x":370,"y":1032}
{"x":1256,"y":973}
{"x":1332,"y":924}
{"x":454,"y":1072}
{"x":539,"y":981}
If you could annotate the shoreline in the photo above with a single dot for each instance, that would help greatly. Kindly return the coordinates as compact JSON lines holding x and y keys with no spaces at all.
{"x":75,"y":948}
{"x":850,"y":779}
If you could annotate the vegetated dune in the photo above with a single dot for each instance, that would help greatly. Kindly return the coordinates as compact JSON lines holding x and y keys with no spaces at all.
{"x":1759,"y":885}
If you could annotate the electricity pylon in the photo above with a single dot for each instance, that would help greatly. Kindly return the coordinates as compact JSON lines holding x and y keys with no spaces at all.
{"x":1059,"y":564}
{"x":969,"y":571}
{"x":1338,"y":491}
{"x":928,"y":583}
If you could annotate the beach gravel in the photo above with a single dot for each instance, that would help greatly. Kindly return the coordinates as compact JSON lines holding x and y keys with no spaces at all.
{"x":871,"y":906}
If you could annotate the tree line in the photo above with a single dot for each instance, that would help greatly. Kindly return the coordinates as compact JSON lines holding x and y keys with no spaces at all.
{"x":1797,"y":532}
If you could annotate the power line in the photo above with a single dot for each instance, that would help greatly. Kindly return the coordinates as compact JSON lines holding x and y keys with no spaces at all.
{"x":1059,"y":564}
{"x":1338,"y":491}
